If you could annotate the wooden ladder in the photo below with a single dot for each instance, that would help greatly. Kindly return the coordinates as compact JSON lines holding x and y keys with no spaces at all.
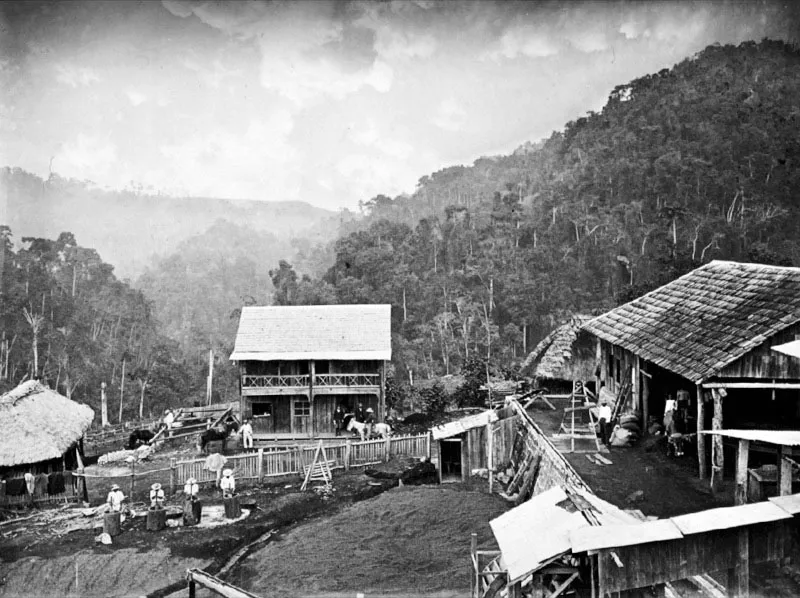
{"x":320,"y":468}
{"x":622,"y":395}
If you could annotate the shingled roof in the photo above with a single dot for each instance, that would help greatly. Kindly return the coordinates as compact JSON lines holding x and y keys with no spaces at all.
{"x":706,"y":319}
{"x":39,"y":424}
{"x":290,"y":333}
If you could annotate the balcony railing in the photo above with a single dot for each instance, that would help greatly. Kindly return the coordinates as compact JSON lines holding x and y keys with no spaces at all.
{"x":347,"y":380}
{"x":252,"y":381}
{"x":249,"y":381}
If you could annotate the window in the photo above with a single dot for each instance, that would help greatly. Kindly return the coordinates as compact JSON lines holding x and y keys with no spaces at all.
{"x":302,"y":407}
{"x":262,"y":409}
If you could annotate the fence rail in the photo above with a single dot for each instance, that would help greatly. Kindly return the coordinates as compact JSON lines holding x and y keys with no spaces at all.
{"x":256,"y":466}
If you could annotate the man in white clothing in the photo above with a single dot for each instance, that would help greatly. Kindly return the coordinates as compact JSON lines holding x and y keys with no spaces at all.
{"x":115,"y":499}
{"x":604,"y":417}
{"x":247,"y":434}
{"x":228,"y":484}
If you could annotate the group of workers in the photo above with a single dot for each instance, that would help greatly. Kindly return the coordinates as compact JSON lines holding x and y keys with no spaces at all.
{"x":191,"y":489}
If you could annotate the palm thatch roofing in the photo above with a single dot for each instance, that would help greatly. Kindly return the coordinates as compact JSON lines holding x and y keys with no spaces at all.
{"x":347,"y":332}
{"x":565,"y":354}
{"x":701,"y":322}
{"x":39,"y":424}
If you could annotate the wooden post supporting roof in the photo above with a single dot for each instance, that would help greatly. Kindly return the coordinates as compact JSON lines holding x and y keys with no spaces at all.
{"x":701,"y":438}
{"x":784,"y":471}
{"x":742,"y":459}
{"x":717,"y":456}
{"x":742,"y":588}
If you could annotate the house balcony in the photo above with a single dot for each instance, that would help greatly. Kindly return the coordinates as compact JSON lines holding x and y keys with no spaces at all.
{"x":323,"y":383}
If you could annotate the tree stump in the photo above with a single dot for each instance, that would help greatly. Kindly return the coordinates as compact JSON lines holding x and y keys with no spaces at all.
{"x":192,"y":512}
{"x":112,"y":524}
{"x":232,"y":508}
{"x":156,"y":520}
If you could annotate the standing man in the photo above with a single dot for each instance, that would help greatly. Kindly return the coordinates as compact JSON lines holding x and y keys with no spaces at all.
{"x":115,"y":499}
{"x":156,"y":496}
{"x":169,"y":419}
{"x":370,"y":421}
{"x":604,"y":417}
{"x":247,"y":434}
{"x":360,"y":414}
{"x":228,"y":484}
{"x":338,"y":419}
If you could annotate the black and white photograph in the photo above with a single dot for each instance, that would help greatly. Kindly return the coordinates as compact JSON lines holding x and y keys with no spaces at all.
{"x":399,"y":298}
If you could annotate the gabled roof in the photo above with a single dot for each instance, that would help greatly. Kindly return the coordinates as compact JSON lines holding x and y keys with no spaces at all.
{"x":706,"y":319}
{"x":39,"y":424}
{"x":557,"y":358}
{"x":356,"y":332}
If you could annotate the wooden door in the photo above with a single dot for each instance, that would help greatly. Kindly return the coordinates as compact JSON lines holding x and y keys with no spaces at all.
{"x":301,"y":417}
{"x":324,"y":407}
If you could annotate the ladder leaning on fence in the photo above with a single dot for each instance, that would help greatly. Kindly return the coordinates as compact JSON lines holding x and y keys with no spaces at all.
{"x":320,"y":468}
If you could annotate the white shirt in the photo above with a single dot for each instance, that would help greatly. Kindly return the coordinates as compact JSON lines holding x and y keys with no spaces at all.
{"x":169,"y":418}
{"x":670,"y":405}
{"x":228,"y":483}
{"x":604,"y":412}
{"x":247,"y":430}
{"x":115,"y":498}
{"x":191,"y":489}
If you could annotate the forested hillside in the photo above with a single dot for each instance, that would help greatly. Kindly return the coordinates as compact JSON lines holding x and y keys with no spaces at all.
{"x":130,"y":228}
{"x":694,"y":163}
{"x":66,"y":319}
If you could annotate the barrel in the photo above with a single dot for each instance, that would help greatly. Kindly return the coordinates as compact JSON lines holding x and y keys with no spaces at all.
{"x":156,"y":520}
{"x":232,"y":508}
{"x":112,"y":524}
{"x":192,"y":512}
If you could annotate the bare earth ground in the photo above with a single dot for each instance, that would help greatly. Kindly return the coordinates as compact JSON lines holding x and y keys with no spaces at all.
{"x":407,"y":541}
{"x":414,"y":539}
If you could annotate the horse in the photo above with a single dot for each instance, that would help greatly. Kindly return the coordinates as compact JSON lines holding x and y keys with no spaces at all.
{"x":383,"y":430}
{"x":138,"y":438}
{"x":214,"y":434}
{"x":357,"y":427}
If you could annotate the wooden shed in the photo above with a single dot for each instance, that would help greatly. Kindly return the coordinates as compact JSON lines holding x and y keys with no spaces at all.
{"x":708,"y":336}
{"x":462,"y":445}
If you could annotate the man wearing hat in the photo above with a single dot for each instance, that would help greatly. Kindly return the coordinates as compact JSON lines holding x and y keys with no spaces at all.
{"x":370,"y":421}
{"x":115,"y":498}
{"x":228,"y":484}
{"x":156,"y":496}
{"x":169,"y":419}
{"x":191,"y":489}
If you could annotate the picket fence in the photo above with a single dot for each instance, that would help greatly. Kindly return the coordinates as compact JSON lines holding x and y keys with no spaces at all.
{"x":287,"y":461}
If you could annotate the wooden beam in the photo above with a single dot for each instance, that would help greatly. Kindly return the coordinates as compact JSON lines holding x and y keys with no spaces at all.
{"x":701,"y":438}
{"x":746,"y":385}
{"x":215,"y":584}
{"x":490,"y":455}
{"x":742,"y":459}
{"x":784,"y":471}
{"x":474,"y":580}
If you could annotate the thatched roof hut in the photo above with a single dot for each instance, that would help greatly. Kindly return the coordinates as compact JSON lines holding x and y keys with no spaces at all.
{"x":39,"y":424}
{"x":567,"y":353}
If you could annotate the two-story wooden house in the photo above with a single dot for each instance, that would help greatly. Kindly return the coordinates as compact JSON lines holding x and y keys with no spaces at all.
{"x":296,"y":363}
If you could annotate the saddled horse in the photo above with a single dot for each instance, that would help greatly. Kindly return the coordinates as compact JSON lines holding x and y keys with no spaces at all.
{"x":357,"y":427}
{"x":219,"y":433}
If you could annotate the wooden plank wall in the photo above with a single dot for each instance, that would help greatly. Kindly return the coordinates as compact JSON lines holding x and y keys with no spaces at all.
{"x":659,"y":562}
{"x":503,"y":433}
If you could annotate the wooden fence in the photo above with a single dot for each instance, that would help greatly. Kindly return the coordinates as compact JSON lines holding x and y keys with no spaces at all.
{"x":288,"y":461}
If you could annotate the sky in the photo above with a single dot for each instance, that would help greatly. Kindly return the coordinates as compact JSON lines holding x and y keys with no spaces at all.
{"x":326,"y":102}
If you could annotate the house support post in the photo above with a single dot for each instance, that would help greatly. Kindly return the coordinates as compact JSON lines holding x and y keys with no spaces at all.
{"x":717,"y":456}
{"x":382,"y":395}
{"x":636,"y":390}
{"x":474,"y":579}
{"x":784,"y":471}
{"x":742,"y":459}
{"x":739,"y":576}
{"x":311,"y":372}
{"x":701,"y":438}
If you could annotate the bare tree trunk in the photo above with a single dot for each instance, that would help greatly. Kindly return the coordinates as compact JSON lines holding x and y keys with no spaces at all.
{"x":143,"y":384}
{"x":121,"y":391}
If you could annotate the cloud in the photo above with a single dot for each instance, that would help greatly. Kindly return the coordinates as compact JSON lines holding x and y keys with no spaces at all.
{"x":589,"y":41}
{"x":135,"y":97}
{"x":75,"y":76}
{"x":450,"y":115}
{"x":523,"y":39}
{"x":86,"y":157}
{"x":368,"y":134}
{"x":258,"y":163}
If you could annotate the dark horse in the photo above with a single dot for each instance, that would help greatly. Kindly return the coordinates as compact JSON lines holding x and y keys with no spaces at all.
{"x":138,"y":438}
{"x":221,"y":432}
